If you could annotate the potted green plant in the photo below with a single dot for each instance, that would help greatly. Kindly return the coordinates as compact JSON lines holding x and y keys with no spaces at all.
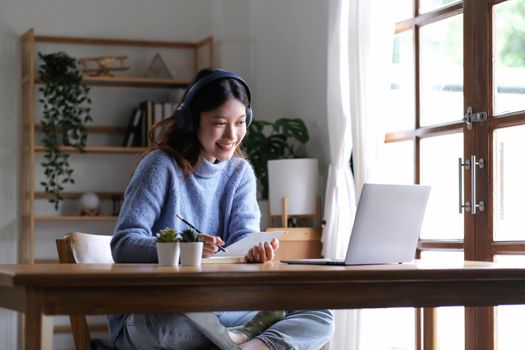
{"x":66,"y":108}
{"x":191,"y":248}
{"x":266,"y":141}
{"x":168,"y":250}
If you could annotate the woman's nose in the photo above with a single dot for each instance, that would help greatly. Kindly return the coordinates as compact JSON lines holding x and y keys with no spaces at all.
{"x":230,"y":131}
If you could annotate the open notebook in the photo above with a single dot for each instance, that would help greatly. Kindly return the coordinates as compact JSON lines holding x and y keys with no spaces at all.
{"x":386,"y":228}
{"x":241,"y":247}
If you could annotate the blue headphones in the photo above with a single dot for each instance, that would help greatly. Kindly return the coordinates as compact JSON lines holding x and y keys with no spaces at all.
{"x":183,"y":116}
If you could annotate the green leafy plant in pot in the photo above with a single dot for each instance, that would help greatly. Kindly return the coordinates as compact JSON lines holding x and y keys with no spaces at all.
{"x":168,"y":250}
{"x":66,"y":108}
{"x":191,"y":248}
{"x":168,"y":235}
{"x":266,"y":141}
{"x":190,"y":235}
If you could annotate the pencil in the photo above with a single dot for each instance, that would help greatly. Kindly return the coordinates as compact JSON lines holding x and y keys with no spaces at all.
{"x":198,"y":231}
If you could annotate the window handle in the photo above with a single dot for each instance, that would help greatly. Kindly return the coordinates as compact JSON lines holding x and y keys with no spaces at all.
{"x":473,"y":206}
{"x":462,"y":165}
{"x":472,"y":117}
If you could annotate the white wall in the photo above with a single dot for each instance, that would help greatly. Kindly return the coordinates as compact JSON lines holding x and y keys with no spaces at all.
{"x":277,"y":45}
{"x":289,"y":60}
{"x":280,"y":48}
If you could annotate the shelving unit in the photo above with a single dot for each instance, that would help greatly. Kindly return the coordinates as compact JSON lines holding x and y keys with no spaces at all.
{"x":32,"y":196}
{"x":202,"y":52}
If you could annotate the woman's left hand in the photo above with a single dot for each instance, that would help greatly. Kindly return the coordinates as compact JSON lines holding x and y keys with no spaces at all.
{"x":262,"y":253}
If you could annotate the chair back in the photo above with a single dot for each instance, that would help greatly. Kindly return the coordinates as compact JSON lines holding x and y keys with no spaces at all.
{"x":84,"y":248}
{"x":90,"y":249}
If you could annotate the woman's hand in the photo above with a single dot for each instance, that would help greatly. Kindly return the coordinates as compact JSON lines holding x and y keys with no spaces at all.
{"x":210,"y":244}
{"x":262,"y":253}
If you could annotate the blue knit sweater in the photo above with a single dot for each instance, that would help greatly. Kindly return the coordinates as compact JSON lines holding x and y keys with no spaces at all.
{"x":219,"y":199}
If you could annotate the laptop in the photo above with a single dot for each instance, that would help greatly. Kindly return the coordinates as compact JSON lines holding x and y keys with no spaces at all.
{"x":386,"y":228}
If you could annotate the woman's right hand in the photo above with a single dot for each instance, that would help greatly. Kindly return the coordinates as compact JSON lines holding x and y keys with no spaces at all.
{"x":210,"y":244}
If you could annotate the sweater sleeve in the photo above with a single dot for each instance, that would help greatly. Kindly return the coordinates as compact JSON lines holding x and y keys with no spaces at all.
{"x":133,"y":240}
{"x":245,"y":216}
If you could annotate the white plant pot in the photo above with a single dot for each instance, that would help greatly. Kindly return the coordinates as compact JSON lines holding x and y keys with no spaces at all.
{"x":168,"y":253}
{"x":191,"y":253}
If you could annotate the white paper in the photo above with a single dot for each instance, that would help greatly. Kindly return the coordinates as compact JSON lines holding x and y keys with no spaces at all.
{"x":240,"y":248}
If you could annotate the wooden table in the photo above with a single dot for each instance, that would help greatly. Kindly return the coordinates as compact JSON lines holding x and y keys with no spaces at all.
{"x":53,"y":289}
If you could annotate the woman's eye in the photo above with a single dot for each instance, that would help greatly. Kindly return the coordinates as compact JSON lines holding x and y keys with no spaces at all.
{"x":241,"y":122}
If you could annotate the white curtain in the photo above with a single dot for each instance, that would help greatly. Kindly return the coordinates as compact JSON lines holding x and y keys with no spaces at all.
{"x":357,"y":83}
{"x":371,"y":37}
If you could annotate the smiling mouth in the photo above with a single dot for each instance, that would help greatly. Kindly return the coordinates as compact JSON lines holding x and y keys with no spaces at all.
{"x":227,"y":146}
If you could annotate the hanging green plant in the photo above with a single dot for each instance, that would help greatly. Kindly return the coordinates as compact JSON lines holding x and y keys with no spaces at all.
{"x":66,"y":108}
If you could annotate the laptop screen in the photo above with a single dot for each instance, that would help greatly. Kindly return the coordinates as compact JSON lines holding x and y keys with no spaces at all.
{"x":387,"y":224}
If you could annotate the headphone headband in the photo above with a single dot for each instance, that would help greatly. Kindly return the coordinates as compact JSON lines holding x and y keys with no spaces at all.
{"x":183,"y":116}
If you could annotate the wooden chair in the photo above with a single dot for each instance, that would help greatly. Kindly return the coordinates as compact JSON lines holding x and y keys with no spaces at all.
{"x":84,"y":248}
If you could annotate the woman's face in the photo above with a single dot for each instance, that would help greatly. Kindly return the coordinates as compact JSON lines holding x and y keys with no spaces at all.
{"x":222,"y":129}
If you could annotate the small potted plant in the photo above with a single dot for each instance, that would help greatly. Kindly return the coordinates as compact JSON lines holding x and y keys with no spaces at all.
{"x":191,"y":247}
{"x":168,"y":250}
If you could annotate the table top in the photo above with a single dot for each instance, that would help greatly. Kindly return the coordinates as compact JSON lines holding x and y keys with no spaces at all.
{"x":47,"y":275}
{"x":120,"y":288}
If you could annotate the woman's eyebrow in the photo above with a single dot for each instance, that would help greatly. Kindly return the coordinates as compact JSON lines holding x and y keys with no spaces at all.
{"x":222,"y":117}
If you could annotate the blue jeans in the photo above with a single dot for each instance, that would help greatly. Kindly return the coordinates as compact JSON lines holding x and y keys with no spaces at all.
{"x":300,"y":330}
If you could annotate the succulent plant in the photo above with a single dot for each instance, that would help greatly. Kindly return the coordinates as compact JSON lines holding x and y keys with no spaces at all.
{"x":190,"y":235}
{"x":167,"y":235}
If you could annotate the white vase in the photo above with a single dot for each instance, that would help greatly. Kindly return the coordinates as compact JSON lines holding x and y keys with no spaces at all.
{"x":191,"y":253}
{"x":168,"y":253}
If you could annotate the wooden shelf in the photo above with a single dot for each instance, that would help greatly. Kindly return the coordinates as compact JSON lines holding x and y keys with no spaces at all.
{"x":121,"y":42}
{"x":98,"y":149}
{"x":136,"y":82}
{"x":100,"y":129}
{"x":132,"y":82}
{"x":77,"y":195}
{"x":53,"y":218}
{"x":32,"y":133}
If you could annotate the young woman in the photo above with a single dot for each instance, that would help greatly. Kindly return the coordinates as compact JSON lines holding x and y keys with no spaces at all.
{"x":196,"y":169}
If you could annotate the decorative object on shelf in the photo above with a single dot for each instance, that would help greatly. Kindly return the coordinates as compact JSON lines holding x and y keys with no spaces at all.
{"x":293,"y":189}
{"x":191,"y":247}
{"x":89,"y":204}
{"x":158,"y":69}
{"x":168,"y":251}
{"x":133,"y":138}
{"x":266,"y":141}
{"x":117,"y":204}
{"x":103,"y":66}
{"x":66,"y":108}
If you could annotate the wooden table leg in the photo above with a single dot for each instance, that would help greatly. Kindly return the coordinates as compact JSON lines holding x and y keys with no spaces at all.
{"x":38,"y":328}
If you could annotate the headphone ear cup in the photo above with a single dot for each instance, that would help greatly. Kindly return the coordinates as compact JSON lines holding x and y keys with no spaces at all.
{"x":183,"y":118}
{"x":249,"y":116}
